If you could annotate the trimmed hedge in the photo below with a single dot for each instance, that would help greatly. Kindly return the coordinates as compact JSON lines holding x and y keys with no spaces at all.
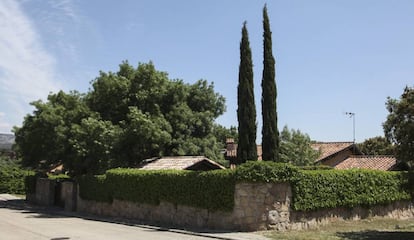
{"x":95,"y":188}
{"x":348,"y":188}
{"x":213,"y":190}
{"x":264,"y":171}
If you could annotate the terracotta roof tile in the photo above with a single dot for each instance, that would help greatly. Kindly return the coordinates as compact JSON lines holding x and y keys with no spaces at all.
{"x":330,"y":148}
{"x":178,"y":163}
{"x":368,"y":162}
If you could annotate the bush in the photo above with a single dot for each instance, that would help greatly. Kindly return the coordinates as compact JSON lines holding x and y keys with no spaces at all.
{"x":30,"y":183}
{"x":348,"y":188}
{"x":12,"y":177}
{"x":264,"y":171}
{"x":95,"y":188}
{"x":213,"y":190}
{"x":316,"y":167}
{"x":59,"y":177}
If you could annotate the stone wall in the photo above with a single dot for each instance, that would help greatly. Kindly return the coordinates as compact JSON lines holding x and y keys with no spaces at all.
{"x":305,"y":220}
{"x":68,"y":194}
{"x":45,"y":192}
{"x":257,"y":206}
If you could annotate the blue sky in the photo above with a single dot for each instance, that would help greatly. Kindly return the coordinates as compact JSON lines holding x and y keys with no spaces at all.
{"x":332,"y":57}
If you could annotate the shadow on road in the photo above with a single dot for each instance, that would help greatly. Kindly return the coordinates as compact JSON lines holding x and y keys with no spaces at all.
{"x":376,"y":235}
{"x":35,"y":211}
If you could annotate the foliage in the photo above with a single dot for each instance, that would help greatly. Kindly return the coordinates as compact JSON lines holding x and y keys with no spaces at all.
{"x":317,"y":167}
{"x":270,"y":133}
{"x":246,"y":111}
{"x":12,"y":176}
{"x":59,"y":177}
{"x":45,"y":134}
{"x":95,"y":188}
{"x":222,"y":134}
{"x":30,"y":183}
{"x":377,"y":146}
{"x":399,"y":126}
{"x":93,"y":143}
{"x":127,"y":116}
{"x":347,"y":188}
{"x":213,"y":190}
{"x":262,"y":171}
{"x":295,"y":148}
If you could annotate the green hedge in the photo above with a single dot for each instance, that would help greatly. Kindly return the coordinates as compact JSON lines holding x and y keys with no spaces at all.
{"x":12,"y":177}
{"x":95,"y":188}
{"x":348,"y":188}
{"x":213,"y":190}
{"x":264,"y":171}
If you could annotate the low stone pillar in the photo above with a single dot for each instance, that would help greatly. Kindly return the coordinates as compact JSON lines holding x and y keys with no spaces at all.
{"x":69,"y":195}
{"x":45,"y":191}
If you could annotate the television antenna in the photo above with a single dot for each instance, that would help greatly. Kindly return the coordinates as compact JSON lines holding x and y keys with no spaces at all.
{"x":352,"y":115}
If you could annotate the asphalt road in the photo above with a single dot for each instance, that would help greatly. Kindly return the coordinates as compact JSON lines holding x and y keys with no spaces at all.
{"x":19,"y":221}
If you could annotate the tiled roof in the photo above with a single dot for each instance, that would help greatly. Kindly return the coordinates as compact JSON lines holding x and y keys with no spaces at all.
{"x":330,"y":148}
{"x":368,"y":162}
{"x":179,"y":163}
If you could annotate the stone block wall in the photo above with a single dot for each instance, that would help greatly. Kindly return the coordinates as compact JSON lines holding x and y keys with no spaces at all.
{"x":313,"y":219}
{"x":68,"y":195}
{"x":257,"y":206}
{"x":45,"y":192}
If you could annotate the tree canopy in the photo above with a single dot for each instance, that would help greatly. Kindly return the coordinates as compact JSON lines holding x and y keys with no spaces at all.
{"x":295,"y":148}
{"x":399,"y":126}
{"x":377,"y":146}
{"x":127,"y":116}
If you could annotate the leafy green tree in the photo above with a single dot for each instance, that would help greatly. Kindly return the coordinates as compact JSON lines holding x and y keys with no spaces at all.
{"x":246,"y":111}
{"x":144,"y":136}
{"x":126,"y":117}
{"x":94,"y":143}
{"x":45,"y":134}
{"x":399,"y":126}
{"x":270,"y":132}
{"x":222,"y":134}
{"x":295,"y":148}
{"x":377,"y":146}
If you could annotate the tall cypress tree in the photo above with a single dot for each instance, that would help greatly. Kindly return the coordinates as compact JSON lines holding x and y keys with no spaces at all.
{"x":246,"y":111}
{"x":270,"y":133}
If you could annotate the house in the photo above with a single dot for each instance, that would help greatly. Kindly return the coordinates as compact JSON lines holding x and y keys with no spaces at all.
{"x":385,"y":163}
{"x":333,"y":153}
{"x":339,"y":155}
{"x":196,"y":163}
{"x":346,"y":155}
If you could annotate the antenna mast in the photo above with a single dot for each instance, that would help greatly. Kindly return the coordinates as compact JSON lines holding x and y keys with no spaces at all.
{"x":352,"y":115}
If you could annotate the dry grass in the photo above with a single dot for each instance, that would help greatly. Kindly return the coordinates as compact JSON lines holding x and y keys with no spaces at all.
{"x":368,"y":229}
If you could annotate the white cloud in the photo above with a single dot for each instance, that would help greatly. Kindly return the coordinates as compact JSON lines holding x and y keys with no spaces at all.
{"x":65,"y":6}
{"x":27,"y":70}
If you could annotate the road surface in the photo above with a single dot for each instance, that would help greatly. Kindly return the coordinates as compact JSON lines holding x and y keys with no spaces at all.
{"x":21,"y":222}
